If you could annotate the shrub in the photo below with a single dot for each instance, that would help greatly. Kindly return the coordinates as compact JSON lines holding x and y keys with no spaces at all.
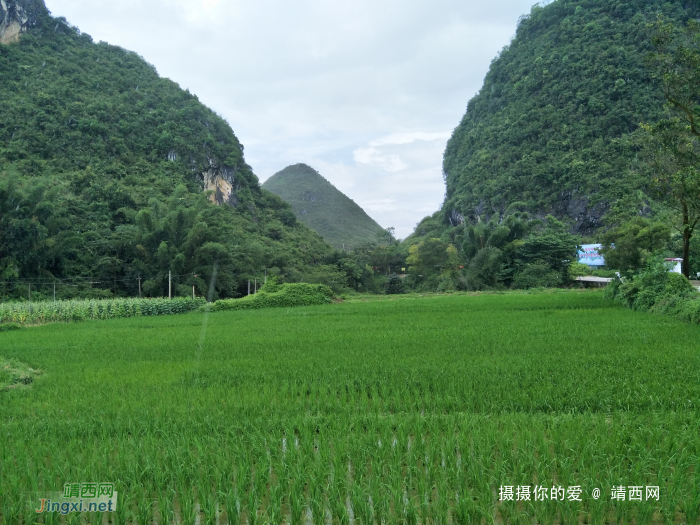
{"x":394,"y":285}
{"x":576,"y":269}
{"x":657,"y":290}
{"x":285,"y":295}
{"x":537,"y":275}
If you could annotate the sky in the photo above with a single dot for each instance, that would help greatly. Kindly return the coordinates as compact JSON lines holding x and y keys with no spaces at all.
{"x":367,"y":92}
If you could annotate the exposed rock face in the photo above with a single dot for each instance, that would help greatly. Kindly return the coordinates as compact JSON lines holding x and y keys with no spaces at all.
{"x":576,"y":206}
{"x":16,"y":16}
{"x":223,"y":182}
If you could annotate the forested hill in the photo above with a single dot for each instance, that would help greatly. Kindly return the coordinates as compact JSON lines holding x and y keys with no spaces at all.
{"x":324,"y":208}
{"x":552,"y":124}
{"x":109,"y":173}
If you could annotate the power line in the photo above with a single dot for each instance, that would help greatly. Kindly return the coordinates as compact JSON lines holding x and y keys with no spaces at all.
{"x":88,"y":280}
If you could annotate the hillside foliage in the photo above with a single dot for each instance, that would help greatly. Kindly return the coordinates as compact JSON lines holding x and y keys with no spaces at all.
{"x":101,"y":164}
{"x":553,"y":124}
{"x":323,"y":208}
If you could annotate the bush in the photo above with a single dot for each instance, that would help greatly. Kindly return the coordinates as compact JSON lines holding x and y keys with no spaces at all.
{"x":604,"y":273}
{"x":657,"y":290}
{"x":285,"y":295}
{"x":576,"y":269}
{"x":537,"y":275}
{"x":394,"y":285}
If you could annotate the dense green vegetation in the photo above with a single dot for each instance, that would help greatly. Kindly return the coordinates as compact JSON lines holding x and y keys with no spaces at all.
{"x":83,"y":310}
{"x":102,"y":168}
{"x":14,"y":374}
{"x":552,"y":123}
{"x":556,"y":129}
{"x":323,"y":208}
{"x":657,"y":290}
{"x":674,"y":142}
{"x":416,"y":409}
{"x":272,"y":295}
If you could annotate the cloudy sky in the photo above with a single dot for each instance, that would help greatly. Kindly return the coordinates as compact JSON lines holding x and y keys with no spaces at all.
{"x":365,"y":91}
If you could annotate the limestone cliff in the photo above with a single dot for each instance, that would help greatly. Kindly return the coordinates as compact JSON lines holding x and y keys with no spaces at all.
{"x":17,"y":16}
{"x":222,"y":181}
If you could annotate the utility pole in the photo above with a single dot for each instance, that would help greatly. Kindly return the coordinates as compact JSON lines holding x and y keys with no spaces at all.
{"x":248,"y":286}
{"x":170,"y":285}
{"x":256,"y":285}
{"x":139,"y":287}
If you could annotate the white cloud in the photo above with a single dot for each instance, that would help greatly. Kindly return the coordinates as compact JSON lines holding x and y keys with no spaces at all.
{"x":362,"y":90}
{"x":374,"y":156}
{"x":408,"y":138}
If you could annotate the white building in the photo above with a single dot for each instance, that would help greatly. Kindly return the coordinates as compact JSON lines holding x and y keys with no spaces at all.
{"x":677,"y":267}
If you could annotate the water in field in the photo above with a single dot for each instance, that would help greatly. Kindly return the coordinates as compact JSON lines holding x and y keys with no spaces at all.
{"x":416,"y":410}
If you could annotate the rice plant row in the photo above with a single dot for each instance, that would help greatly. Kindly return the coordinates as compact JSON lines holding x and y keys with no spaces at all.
{"x":367,"y":471}
{"x":82,"y":310}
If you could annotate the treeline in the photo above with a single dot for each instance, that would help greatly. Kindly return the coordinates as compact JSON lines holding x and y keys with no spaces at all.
{"x":95,"y":247}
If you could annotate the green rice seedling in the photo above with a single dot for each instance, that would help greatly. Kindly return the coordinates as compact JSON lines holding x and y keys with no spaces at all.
{"x":51,"y":518}
{"x":274,"y":508}
{"x":296,"y":500}
{"x":409,"y":511}
{"x":361,"y":505}
{"x":30,"y":517}
{"x":74,"y":518}
{"x":423,"y":503}
{"x":317,"y":503}
{"x":123,"y":512}
{"x":397,"y":496}
{"x":339,"y":505}
{"x":231,"y":499}
{"x":465,"y":510}
{"x":98,"y":518}
{"x":209,"y":507}
{"x":188,"y":507}
{"x":381,"y":500}
{"x":166,"y":509}
{"x":144,"y":506}
{"x":253,"y":505}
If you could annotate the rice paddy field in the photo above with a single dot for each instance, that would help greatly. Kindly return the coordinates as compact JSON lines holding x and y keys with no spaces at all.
{"x":406,"y":411}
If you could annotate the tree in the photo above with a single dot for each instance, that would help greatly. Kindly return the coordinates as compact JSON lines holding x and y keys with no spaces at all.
{"x":432,"y":256}
{"x":674,"y":143}
{"x":633,"y":242}
{"x":553,"y":246}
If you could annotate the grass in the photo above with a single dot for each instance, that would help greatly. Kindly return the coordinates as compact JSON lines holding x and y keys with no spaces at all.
{"x":14,"y":374}
{"x":402,"y":411}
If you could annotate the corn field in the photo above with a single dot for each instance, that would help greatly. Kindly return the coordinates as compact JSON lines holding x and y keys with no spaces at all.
{"x":83,"y":310}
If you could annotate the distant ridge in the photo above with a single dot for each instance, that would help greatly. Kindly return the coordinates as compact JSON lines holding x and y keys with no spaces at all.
{"x":322,"y":207}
